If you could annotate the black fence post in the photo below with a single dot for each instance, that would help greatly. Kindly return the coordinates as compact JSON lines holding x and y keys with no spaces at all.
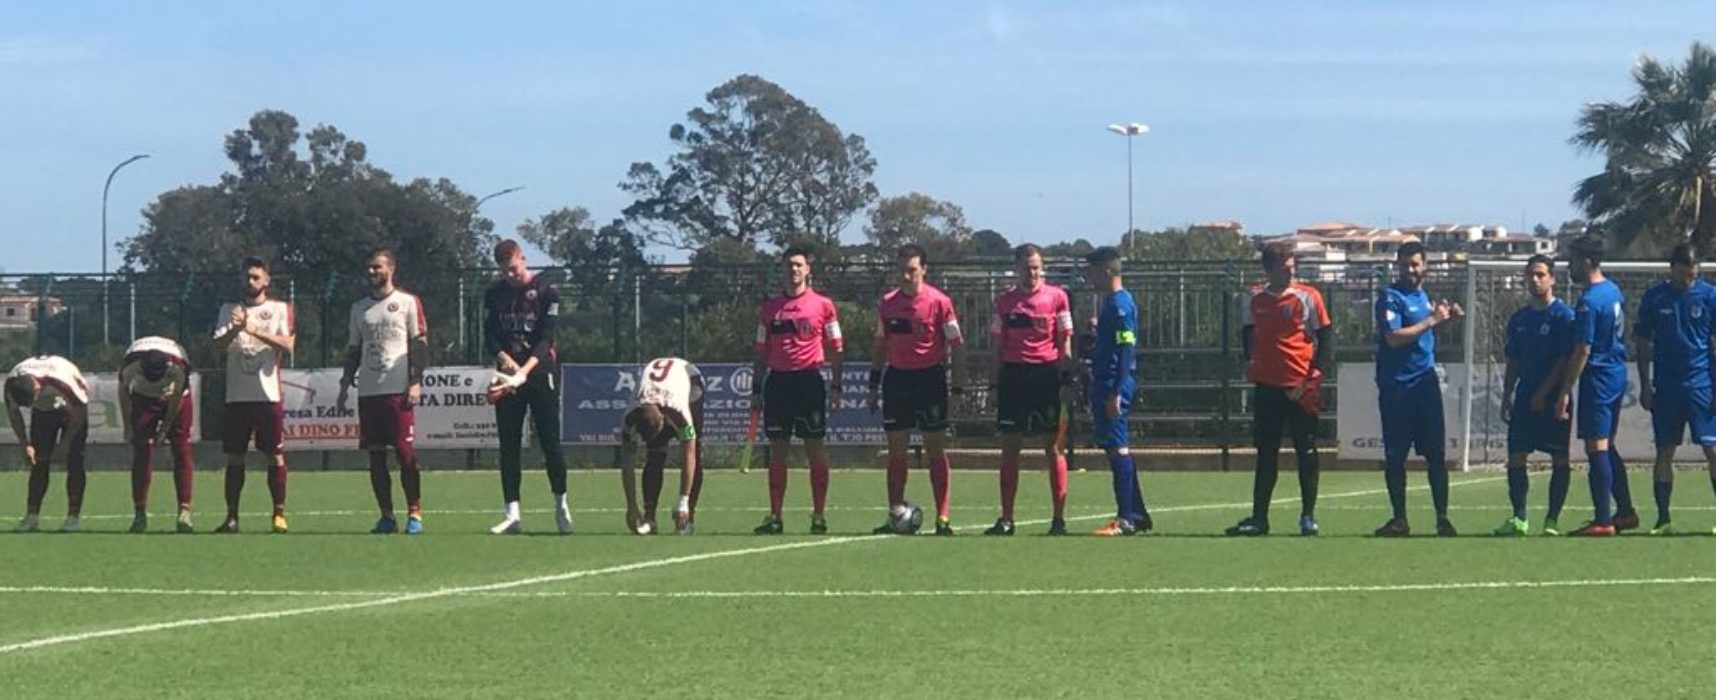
{"x":1226,"y":416}
{"x":42,"y":311}
{"x":327,"y":301}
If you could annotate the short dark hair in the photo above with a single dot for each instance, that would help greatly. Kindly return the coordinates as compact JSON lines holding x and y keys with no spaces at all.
{"x":1587,"y":248}
{"x":154,"y":365}
{"x":1683,"y":254}
{"x":1408,"y":249}
{"x":913,"y":250}
{"x":797,"y":250}
{"x":253,"y":263}
{"x":382,"y":253}
{"x":1024,"y":251}
{"x":21,"y":390}
{"x":1542,"y":259}
{"x":1102,"y":256}
{"x":506,"y":249}
{"x":1276,"y":252}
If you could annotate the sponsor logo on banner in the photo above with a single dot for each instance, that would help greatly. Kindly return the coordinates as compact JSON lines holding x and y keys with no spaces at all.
{"x":106,"y":427}
{"x":1358,"y":421}
{"x":454,"y":412}
{"x":597,"y":396}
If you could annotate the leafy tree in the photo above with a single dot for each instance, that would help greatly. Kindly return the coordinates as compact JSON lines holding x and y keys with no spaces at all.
{"x":1541,"y":231}
{"x":1178,"y":244}
{"x":1077,"y":248}
{"x":1656,"y":188}
{"x":756,"y":165}
{"x":939,"y":226}
{"x":989,"y":243}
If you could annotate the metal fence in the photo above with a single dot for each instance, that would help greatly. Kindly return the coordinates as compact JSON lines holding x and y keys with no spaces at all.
{"x":1190,"y":372}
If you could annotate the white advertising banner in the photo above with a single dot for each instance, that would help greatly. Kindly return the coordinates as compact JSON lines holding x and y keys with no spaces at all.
{"x":455,"y":412}
{"x":105,"y":427}
{"x":1358,"y":421}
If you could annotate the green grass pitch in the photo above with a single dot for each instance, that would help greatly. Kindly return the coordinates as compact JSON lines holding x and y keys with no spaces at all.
{"x":330,"y":612}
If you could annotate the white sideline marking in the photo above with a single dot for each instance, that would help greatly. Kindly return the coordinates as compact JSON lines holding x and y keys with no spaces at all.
{"x":413,"y":597}
{"x":398,"y":599}
{"x":954,"y":593}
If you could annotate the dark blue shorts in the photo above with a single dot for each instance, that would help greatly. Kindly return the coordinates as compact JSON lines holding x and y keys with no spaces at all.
{"x":1529,"y":431}
{"x":1598,"y":420}
{"x":1412,"y":420}
{"x":1111,"y":433}
{"x":1679,"y":408}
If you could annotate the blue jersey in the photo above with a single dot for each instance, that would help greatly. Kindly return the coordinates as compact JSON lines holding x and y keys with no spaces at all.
{"x":1405,"y":366}
{"x":1678,"y":324}
{"x":1114,"y":356}
{"x":1598,"y":322}
{"x":1537,"y":340}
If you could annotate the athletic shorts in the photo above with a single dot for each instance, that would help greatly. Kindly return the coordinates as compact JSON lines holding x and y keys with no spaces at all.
{"x":386,"y":420}
{"x":263,"y":421}
{"x":1028,"y":399}
{"x":1115,"y":432}
{"x":914,"y":399}
{"x":795,"y":404}
{"x":147,"y":413}
{"x":1679,"y":408}
{"x":1598,"y":420}
{"x":1529,"y":431}
{"x":1273,"y":414}
{"x":1412,"y":420}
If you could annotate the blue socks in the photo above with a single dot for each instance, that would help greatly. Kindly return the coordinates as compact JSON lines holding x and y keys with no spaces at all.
{"x":1437,"y":466}
{"x":1602,"y":478}
{"x":1126,"y":500}
{"x":1664,"y":492}
{"x":1518,"y":485}
{"x":1560,"y":480}
{"x":1623,"y":491}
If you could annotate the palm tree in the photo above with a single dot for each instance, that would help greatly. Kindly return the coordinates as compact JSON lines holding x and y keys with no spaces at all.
{"x":1656,"y":189}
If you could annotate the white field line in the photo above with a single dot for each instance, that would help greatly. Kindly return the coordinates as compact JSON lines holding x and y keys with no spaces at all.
{"x":954,"y":593}
{"x":403,"y":598}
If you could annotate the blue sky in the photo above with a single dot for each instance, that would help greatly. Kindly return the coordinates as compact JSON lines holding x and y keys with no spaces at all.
{"x":1275,"y":114}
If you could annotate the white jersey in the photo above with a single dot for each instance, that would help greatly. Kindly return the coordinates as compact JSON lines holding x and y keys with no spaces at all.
{"x":671,"y":383}
{"x":252,"y":366}
{"x":62,"y":384}
{"x":175,"y":381}
{"x":383,"y":329}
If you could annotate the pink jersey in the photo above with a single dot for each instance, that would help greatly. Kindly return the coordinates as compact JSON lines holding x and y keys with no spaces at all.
{"x":1029,"y":326}
{"x":794,"y":330}
{"x":920,"y":329}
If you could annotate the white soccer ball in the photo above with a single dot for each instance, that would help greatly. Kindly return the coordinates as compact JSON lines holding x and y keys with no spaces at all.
{"x":644,"y":528}
{"x":909,"y":522}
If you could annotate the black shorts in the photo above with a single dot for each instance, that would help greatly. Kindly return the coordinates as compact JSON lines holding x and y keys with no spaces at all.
{"x":1028,"y":399}
{"x":914,"y":398}
{"x":1274,"y":415}
{"x":795,"y":404}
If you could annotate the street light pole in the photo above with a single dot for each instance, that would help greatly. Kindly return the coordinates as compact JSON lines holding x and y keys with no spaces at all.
{"x":1129,"y":131}
{"x":104,"y":190}
{"x":463,"y":322}
{"x":487,"y":197}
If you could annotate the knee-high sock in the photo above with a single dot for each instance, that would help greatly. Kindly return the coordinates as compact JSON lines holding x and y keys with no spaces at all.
{"x":654,"y":476}
{"x":184,"y":472}
{"x":277,"y":485}
{"x":410,"y":478}
{"x":1601,"y":477}
{"x":1621,"y":488}
{"x":696,"y":486}
{"x":1010,"y":484}
{"x":896,"y":479}
{"x":941,"y":477}
{"x":234,"y":487}
{"x":1394,"y":477}
{"x":777,"y":480}
{"x":1437,"y":467}
{"x":141,"y":475}
{"x":1664,"y":493}
{"x":1560,"y":480}
{"x":1310,"y":473}
{"x":38,"y":487}
{"x":1125,"y":484}
{"x":1263,"y":482}
{"x":818,"y":485}
{"x":1518,"y":485}
{"x":1058,"y":485}
{"x":76,"y":480}
{"x":380,"y":482}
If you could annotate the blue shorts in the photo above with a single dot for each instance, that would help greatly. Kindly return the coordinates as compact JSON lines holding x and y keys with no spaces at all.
{"x":1529,"y":431}
{"x":1598,"y":420}
{"x":1412,"y":420}
{"x":1111,"y":433}
{"x":1679,"y":408}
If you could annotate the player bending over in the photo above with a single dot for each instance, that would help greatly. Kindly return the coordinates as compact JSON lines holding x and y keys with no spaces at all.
{"x":155,"y":403}
{"x":58,"y":398}
{"x":669,"y":405}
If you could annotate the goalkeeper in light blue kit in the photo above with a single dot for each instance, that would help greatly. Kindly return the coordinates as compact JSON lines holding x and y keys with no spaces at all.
{"x":1114,"y":360}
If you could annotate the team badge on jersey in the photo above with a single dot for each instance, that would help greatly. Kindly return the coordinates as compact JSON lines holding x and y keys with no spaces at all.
{"x":1698,"y":312}
{"x":530,"y":294}
{"x":1543,"y":329}
{"x":393,"y":307}
{"x":1286,"y":313}
{"x":265,"y":315}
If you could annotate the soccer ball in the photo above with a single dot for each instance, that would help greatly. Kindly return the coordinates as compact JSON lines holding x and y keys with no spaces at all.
{"x":908,"y":523}
{"x":498,"y":387}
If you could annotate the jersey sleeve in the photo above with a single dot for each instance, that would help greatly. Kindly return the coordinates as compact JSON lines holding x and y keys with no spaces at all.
{"x":950,"y":322}
{"x":1063,"y":316}
{"x":1390,"y":313}
{"x":1645,"y":327}
{"x":354,"y":328}
{"x":1510,"y":350}
{"x":419,"y":319}
{"x":223,"y":318}
{"x":1563,"y":331}
{"x":1584,"y":323}
{"x":831,"y":327}
{"x":1319,"y":315}
{"x":542,"y":342}
{"x":1246,"y":317}
{"x":762,"y":327}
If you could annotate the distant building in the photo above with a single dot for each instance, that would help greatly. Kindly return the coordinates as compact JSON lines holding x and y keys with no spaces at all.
{"x":18,"y":310}
{"x":1341,"y":242}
